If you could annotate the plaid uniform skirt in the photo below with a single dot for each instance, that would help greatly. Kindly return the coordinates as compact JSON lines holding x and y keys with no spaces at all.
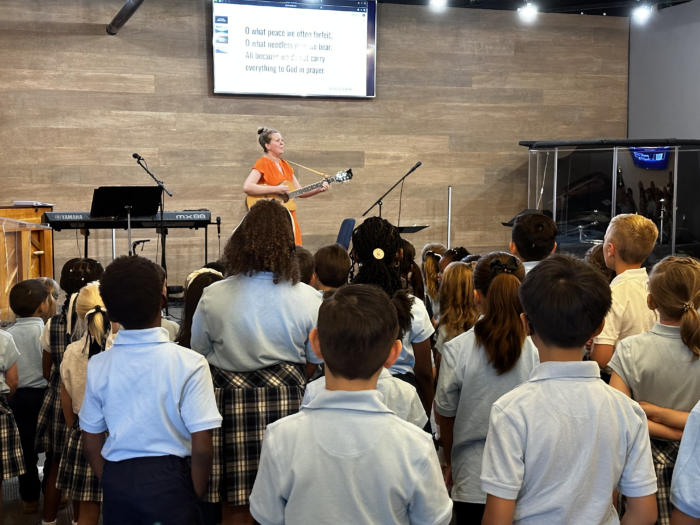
{"x":664,"y":454}
{"x":248,"y":402}
{"x":11,"y":457}
{"x":51,"y":428}
{"x":75,"y":475}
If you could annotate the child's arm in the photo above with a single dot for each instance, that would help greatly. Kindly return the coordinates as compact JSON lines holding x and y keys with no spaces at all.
{"x":681,"y":518}
{"x":447,"y":427}
{"x":202,"y":457}
{"x":12,"y":380}
{"x":640,"y":511}
{"x":423,"y":370}
{"x":657,"y":429}
{"x":92,"y":450}
{"x":665,"y":416}
{"x":46,"y":364}
{"x":498,"y":511}
{"x":67,"y":406}
{"x":602,"y":354}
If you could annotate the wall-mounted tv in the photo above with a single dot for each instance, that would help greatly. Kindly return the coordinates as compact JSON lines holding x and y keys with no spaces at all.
{"x":306,"y":48}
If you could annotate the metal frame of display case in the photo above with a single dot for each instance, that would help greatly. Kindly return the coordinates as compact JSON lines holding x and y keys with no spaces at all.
{"x":553,"y":152}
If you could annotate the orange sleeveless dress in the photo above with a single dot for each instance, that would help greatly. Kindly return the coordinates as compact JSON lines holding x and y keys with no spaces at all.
{"x":272,"y":176}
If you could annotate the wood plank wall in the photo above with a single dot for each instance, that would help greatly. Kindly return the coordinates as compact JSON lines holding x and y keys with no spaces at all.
{"x":456,"y":90}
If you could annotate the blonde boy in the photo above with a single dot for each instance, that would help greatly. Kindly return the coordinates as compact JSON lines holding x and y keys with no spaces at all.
{"x":628,"y":242}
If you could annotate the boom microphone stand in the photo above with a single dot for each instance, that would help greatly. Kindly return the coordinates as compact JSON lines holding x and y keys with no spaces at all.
{"x":379,"y":200}
{"x":141,"y":162}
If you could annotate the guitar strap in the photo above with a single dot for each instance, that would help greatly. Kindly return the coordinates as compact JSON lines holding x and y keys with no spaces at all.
{"x":317,"y":172}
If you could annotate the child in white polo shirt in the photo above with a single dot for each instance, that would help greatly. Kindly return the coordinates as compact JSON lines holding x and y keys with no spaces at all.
{"x":11,"y":457}
{"x":399,"y":396}
{"x":345,"y":458}
{"x":156,"y":400}
{"x":628,"y":242}
{"x":561,"y":443}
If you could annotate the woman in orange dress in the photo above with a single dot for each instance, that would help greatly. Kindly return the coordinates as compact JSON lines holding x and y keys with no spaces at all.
{"x":270,"y":170}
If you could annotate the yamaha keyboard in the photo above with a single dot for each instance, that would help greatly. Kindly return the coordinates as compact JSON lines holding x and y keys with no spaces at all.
{"x":79,"y":220}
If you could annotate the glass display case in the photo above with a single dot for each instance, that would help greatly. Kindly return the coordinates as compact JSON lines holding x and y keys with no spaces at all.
{"x":584,"y":184}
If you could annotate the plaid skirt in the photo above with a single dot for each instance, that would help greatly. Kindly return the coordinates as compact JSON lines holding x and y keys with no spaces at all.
{"x":11,"y":457}
{"x":664,"y":454}
{"x":51,"y":428}
{"x":248,"y":402}
{"x":75,"y":475}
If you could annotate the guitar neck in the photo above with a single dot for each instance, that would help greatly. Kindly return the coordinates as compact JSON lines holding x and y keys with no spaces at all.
{"x":306,"y":189}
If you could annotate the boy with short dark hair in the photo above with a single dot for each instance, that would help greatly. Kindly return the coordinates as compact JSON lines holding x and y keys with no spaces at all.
{"x":29,"y":300}
{"x":561,"y":443}
{"x":305,"y":260}
{"x":628,"y":242}
{"x":155,"y":398}
{"x":533,"y":238}
{"x":332,"y":265}
{"x":345,"y":458}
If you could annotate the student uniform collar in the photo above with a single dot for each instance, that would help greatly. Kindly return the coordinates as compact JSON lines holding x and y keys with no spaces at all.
{"x":565,"y":370}
{"x":138,"y":337}
{"x":29,"y":321}
{"x":666,"y":331}
{"x":637,"y":273}
{"x":384,"y":374}
{"x":363,"y":401}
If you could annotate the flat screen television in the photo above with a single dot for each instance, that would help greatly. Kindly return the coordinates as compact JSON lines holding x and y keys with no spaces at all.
{"x":306,"y":48}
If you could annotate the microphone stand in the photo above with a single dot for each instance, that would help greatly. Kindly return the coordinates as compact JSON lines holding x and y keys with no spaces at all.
{"x":380,"y":199}
{"x":163,"y":232}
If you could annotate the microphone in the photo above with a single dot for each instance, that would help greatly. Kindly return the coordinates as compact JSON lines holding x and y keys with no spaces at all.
{"x":218,"y":225}
{"x":137,"y":156}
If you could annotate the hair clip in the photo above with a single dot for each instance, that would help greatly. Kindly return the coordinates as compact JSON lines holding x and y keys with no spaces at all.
{"x":688,"y":306}
{"x":497,"y":266}
{"x":378,"y":254}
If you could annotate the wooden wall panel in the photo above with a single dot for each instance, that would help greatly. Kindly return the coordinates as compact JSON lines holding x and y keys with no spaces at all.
{"x":456,"y":90}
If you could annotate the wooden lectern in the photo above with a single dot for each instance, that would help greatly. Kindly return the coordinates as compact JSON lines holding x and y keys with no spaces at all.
{"x":26,"y":249}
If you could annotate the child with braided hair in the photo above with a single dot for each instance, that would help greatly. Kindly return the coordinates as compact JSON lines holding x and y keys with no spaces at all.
{"x":59,"y":332}
{"x":378,"y":249}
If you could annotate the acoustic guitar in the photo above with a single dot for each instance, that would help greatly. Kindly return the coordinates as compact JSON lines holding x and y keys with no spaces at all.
{"x":287,"y":200}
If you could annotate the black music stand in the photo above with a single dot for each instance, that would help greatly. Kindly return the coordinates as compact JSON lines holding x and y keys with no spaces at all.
{"x":411,"y":229}
{"x":125,"y":201}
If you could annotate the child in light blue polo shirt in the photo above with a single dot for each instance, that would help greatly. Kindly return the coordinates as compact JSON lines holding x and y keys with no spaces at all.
{"x":156,"y":400}
{"x":345,"y":458}
{"x":561,"y":443}
{"x":685,"y":495}
{"x":29,"y":301}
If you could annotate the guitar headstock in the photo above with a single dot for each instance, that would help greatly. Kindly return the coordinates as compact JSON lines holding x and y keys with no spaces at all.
{"x":343,"y":176}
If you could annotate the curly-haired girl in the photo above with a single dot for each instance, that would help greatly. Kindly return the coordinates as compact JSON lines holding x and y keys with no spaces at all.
{"x":378,"y":249}
{"x":253,"y":327}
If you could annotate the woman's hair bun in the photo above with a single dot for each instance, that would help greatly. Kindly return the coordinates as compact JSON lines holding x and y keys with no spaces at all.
{"x":261,"y":130}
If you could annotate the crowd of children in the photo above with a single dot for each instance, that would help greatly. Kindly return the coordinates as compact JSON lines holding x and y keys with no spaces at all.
{"x":361,"y":386}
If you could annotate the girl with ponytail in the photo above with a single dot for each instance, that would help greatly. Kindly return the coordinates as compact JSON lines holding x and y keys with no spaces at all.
{"x":660,"y":368}
{"x":477,"y":368}
{"x":378,"y":250}
{"x":59,"y":332}
{"x":75,"y":476}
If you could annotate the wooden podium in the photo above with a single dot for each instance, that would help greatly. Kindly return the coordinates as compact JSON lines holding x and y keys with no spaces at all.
{"x":26,"y":249}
